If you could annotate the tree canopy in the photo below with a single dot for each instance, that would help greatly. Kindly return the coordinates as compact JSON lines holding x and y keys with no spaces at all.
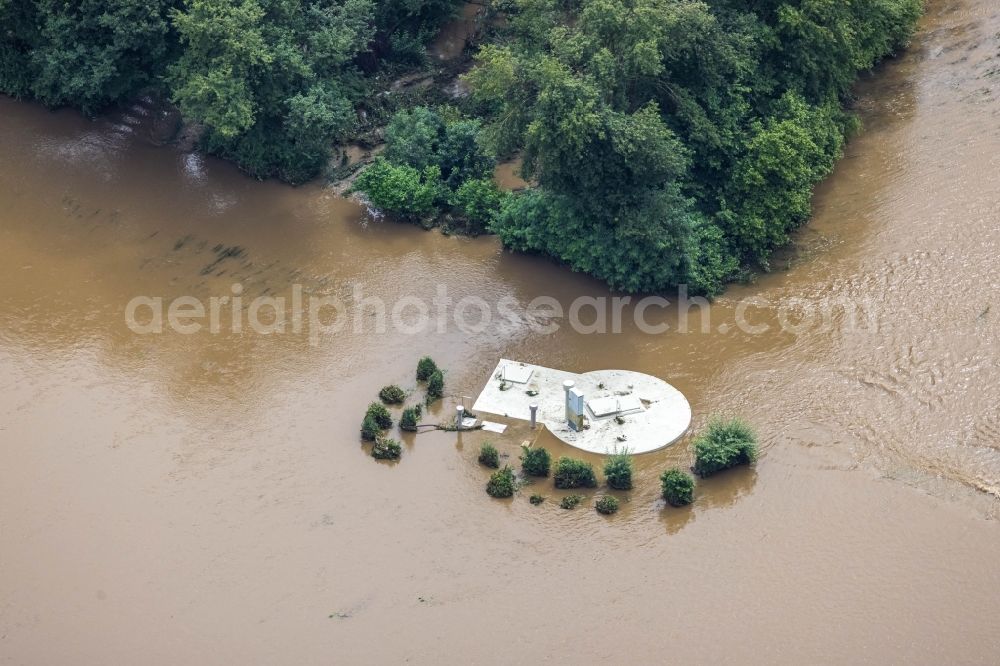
{"x":667,"y":141}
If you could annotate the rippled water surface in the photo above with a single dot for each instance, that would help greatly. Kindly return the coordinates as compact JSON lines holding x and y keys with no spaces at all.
{"x":204,"y":498}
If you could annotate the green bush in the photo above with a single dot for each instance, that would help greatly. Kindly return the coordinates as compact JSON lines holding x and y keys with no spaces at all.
{"x":369,"y":428}
{"x":489,"y":456}
{"x":479,"y":201}
{"x":723,"y":445}
{"x":425,"y":368}
{"x":572,"y":473}
{"x":607,"y":505}
{"x":380,"y":414}
{"x":423,"y":137}
{"x":386,"y":448}
{"x":435,"y":386}
{"x":570,"y":501}
{"x":401,"y":190}
{"x":536,"y":499}
{"x":410,"y":418}
{"x":502,"y":483}
{"x":392,"y":395}
{"x":535,"y":461}
{"x":618,"y":470}
{"x":677,"y":487}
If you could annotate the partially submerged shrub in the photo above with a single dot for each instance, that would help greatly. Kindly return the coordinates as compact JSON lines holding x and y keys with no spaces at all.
{"x":535,"y":461}
{"x":380,"y":414}
{"x":723,"y":445}
{"x":618,"y":470}
{"x":435,"y":386}
{"x":502,"y":483}
{"x":677,"y":487}
{"x":536,"y":499}
{"x":410,"y":418}
{"x":386,"y":448}
{"x":570,"y":501}
{"x":425,"y":368}
{"x":606,"y":505}
{"x":489,"y":456}
{"x":392,"y":395}
{"x":573,"y":473}
{"x":369,"y":428}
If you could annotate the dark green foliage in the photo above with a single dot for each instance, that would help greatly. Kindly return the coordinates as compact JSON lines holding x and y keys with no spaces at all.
{"x":432,"y":161}
{"x":85,"y":54}
{"x":381,"y":415}
{"x":607,"y":505}
{"x":435,"y":386}
{"x":670,"y":141}
{"x":502,"y":483}
{"x":677,"y":487}
{"x":370,"y":428}
{"x":536,"y":499}
{"x":570,"y":501}
{"x":272,"y":81}
{"x":489,"y":456}
{"x":535,"y":461}
{"x":572,"y":473}
{"x":425,"y":368}
{"x":386,"y":448}
{"x":479,"y":201}
{"x":673,"y":142}
{"x":392,"y":395}
{"x":618,"y":470}
{"x":724,"y":444}
{"x":421,"y":138}
{"x":410,"y":417}
{"x":402,"y":190}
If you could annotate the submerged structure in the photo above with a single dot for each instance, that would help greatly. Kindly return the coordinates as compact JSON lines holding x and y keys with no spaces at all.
{"x":597,"y":411}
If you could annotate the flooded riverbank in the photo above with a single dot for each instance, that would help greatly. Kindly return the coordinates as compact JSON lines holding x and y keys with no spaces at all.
{"x":204,"y":497}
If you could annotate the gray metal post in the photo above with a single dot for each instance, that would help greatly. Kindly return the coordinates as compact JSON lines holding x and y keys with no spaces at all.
{"x":459,"y":415}
{"x":534,"y":414}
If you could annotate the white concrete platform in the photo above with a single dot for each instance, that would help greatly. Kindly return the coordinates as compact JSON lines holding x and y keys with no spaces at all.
{"x":653,"y":413}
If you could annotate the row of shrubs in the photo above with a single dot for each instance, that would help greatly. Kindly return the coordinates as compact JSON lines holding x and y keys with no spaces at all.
{"x":377,"y":418}
{"x":724,"y":444}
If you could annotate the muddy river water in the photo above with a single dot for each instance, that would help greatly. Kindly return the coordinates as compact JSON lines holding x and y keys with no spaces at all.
{"x":204,"y":498}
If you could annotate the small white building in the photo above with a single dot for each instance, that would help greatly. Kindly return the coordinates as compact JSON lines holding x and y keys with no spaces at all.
{"x":597,"y":411}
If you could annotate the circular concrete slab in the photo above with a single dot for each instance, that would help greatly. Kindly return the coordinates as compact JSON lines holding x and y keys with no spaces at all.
{"x":623,"y":409}
{"x":662,"y":417}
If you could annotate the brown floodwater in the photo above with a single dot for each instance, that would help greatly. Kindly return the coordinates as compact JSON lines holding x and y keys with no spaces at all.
{"x":204,"y":498}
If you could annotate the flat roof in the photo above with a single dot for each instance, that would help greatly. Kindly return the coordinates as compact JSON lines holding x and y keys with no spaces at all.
{"x":624,"y":409}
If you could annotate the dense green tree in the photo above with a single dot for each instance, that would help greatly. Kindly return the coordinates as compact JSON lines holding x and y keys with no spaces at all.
{"x":85,"y":54}
{"x":422,"y":137}
{"x":668,"y":141}
{"x":271,"y":80}
{"x":479,"y":201}
{"x":673,"y":140}
{"x":401,"y":189}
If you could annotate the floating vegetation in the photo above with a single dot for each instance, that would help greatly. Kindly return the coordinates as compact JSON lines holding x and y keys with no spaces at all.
{"x":380,"y":414}
{"x":535,"y":461}
{"x":410,"y":418}
{"x":607,"y":505}
{"x":502,"y":483}
{"x":723,"y":445}
{"x":570,"y":501}
{"x":536,"y":499}
{"x":392,"y":395}
{"x":435,"y":386}
{"x":489,"y":456}
{"x":677,"y":487}
{"x":573,"y":473}
{"x":386,"y":448}
{"x":618,"y":470}
{"x":425,"y":368}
